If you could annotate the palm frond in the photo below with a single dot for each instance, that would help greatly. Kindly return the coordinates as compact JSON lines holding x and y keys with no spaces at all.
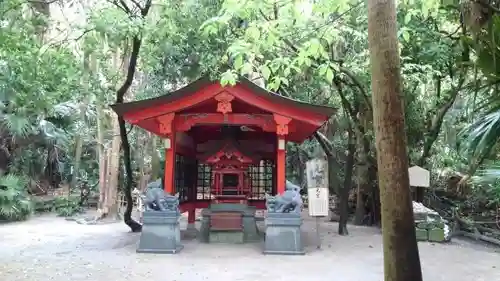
{"x":15,"y":203}
{"x":13,"y":182}
{"x":489,"y":175}
{"x":18,"y":126}
{"x":482,"y":135}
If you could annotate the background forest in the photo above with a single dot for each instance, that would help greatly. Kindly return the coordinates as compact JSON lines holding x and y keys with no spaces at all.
{"x":63,"y":62}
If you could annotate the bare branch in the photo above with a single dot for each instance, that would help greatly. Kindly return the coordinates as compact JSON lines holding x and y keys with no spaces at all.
{"x":125,"y":7}
{"x":83,"y":34}
{"x":137,"y":5}
{"x":42,"y":1}
{"x":145,"y":10}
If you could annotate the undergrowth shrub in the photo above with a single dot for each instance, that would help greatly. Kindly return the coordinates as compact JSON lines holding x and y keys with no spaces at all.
{"x":66,"y":207}
{"x":15,"y":202}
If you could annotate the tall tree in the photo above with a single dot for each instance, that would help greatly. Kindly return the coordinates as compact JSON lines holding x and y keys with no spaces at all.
{"x":120,"y":93}
{"x":401,"y":258}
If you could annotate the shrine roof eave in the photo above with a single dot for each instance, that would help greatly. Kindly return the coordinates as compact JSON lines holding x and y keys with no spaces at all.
{"x":123,"y":108}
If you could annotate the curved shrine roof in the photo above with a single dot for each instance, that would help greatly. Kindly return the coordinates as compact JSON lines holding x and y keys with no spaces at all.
{"x":204,"y":81}
{"x":308,"y":117}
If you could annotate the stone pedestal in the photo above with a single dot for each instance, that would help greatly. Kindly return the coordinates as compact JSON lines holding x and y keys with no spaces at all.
{"x":283,"y":235}
{"x":161,"y":233}
{"x":247,"y":233}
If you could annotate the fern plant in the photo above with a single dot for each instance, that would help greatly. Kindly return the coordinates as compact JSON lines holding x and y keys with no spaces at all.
{"x":15,"y":202}
{"x":67,"y":207}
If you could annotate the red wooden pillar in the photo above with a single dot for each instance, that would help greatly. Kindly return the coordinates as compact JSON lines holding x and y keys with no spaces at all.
{"x":167,"y":130}
{"x":280,"y":165}
{"x":281,"y":132}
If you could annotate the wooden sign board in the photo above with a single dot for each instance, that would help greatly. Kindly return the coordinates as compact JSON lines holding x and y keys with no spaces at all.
{"x":419,"y":176}
{"x":317,"y":187}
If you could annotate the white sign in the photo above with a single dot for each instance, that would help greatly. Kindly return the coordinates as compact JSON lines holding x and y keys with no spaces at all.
{"x":419,"y":176}
{"x":317,"y":187}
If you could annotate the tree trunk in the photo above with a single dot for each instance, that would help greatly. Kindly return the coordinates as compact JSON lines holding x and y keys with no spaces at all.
{"x":303,"y":158}
{"x":120,"y":93}
{"x":334,"y":183}
{"x":401,"y":257}
{"x":435,"y":129}
{"x":374,"y":194}
{"x":141,"y":142}
{"x":101,"y":154}
{"x":112,"y":158}
{"x":344,"y":192}
{"x":155,"y":159}
{"x":361,"y":179}
{"x":111,"y":196}
{"x":83,"y":110}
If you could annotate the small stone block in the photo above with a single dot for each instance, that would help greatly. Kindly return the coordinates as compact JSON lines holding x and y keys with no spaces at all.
{"x":421,"y":234}
{"x":420,"y":216}
{"x":436,"y":235}
{"x":228,"y":237}
{"x":423,"y":225}
{"x":436,"y":224}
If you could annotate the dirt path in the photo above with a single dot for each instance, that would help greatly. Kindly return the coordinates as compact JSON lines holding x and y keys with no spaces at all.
{"x":50,"y":248}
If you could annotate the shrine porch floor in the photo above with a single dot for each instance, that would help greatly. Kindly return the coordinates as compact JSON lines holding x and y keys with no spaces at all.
{"x":51,"y":248}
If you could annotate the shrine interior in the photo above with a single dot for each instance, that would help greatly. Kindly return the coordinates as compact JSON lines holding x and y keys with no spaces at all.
{"x":230,"y":161}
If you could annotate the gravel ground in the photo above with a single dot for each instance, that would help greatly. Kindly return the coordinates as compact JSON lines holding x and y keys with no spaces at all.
{"x":50,"y":248}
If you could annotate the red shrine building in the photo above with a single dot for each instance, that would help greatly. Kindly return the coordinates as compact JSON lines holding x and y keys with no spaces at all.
{"x":224,"y":144}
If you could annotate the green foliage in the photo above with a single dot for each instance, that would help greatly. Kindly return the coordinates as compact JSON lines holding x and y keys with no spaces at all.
{"x":15,"y":203}
{"x":61,"y":205}
{"x":66,"y":207}
{"x":38,"y":84}
{"x":481,"y":136}
{"x":299,"y":48}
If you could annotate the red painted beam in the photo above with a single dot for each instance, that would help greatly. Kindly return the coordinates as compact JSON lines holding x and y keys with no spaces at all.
{"x":180,"y":104}
{"x":246,"y":95}
{"x":184,"y":122}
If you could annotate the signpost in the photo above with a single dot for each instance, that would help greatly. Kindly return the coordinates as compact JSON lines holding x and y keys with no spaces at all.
{"x":317,"y":191}
{"x":419,"y":178}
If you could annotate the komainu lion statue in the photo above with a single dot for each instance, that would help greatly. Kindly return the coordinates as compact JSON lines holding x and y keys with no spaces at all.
{"x":156,"y":199}
{"x":288,"y":202}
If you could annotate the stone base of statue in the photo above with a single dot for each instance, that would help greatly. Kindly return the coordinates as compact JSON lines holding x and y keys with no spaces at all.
{"x":283,"y":235}
{"x":161,"y":233}
{"x":228,"y":223}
